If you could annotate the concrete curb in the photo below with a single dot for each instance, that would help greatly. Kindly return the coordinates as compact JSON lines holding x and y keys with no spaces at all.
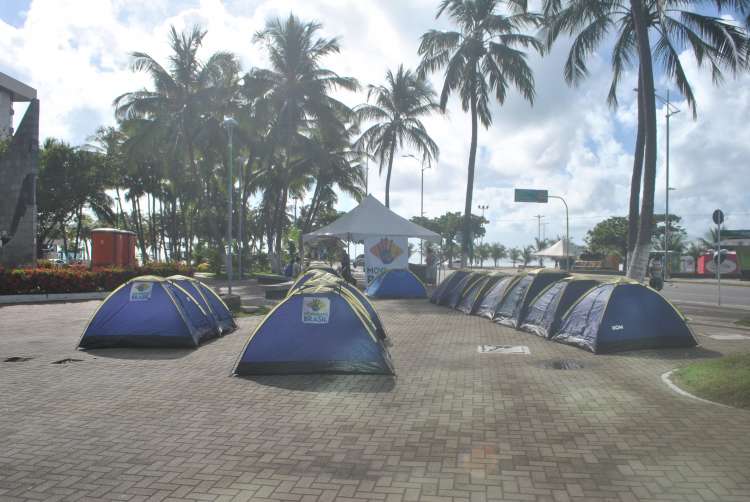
{"x":667,"y":380}
{"x":732,"y":283}
{"x":56,"y":297}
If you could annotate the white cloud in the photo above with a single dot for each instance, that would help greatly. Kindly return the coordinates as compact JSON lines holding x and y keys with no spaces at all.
{"x":76,"y":53}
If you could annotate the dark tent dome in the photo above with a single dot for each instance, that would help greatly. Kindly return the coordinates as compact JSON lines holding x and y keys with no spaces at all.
{"x":447,"y":285}
{"x":492,"y":298}
{"x":546,"y":310}
{"x":512,"y":309}
{"x":473,"y":296}
{"x":624,"y":316}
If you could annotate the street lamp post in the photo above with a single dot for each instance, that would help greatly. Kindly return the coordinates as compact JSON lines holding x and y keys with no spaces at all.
{"x":482,"y":207}
{"x":421,"y":198}
{"x":229,"y":124}
{"x":671,"y":110}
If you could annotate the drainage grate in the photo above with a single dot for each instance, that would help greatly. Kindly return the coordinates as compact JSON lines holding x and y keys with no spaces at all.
{"x":503,"y":349}
{"x":67,"y":360}
{"x":17,"y":359}
{"x":562,"y":364}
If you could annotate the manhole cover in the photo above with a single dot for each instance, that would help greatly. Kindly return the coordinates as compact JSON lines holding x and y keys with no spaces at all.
{"x":562,"y":364}
{"x":17,"y":359}
{"x":67,"y":360}
{"x":503,"y":349}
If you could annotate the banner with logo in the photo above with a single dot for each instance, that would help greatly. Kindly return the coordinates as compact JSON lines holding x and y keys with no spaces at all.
{"x":383,"y":253}
{"x":316,"y":310}
{"x":140,"y":291}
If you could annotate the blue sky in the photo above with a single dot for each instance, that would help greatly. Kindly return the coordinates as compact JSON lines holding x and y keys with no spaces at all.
{"x":76,"y":53}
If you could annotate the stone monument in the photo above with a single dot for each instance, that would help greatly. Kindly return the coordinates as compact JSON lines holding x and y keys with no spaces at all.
{"x":19,"y":160}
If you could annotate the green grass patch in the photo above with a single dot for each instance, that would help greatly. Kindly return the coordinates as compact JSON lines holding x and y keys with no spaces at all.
{"x":725,"y":380}
{"x":743,"y":322}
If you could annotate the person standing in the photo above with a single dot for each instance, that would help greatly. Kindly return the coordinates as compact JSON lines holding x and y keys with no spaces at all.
{"x":346,"y":269}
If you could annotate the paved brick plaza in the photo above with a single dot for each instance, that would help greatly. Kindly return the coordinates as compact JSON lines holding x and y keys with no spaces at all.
{"x":453,"y":425}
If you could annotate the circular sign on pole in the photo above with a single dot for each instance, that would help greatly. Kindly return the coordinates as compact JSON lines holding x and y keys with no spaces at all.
{"x":718,"y":216}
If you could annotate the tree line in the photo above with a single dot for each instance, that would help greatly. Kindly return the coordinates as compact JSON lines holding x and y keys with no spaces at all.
{"x":295,"y":141}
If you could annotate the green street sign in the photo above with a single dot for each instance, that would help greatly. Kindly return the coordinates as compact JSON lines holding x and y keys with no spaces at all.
{"x":529,"y":195}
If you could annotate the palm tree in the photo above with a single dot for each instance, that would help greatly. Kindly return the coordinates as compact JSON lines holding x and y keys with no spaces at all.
{"x":514,"y":254}
{"x":398,"y":106}
{"x":484,"y":56}
{"x":299,"y":94}
{"x":527,"y":254}
{"x":169,"y":121}
{"x":540,"y":244}
{"x":674,"y":27}
{"x":498,"y":252}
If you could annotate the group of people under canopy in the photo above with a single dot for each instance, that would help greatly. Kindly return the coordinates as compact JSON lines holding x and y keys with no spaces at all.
{"x":598,"y":313}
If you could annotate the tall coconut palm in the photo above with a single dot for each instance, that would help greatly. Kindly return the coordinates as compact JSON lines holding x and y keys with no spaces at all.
{"x":498,"y":252}
{"x":674,"y":26}
{"x":483,"y":57}
{"x":299,"y":93}
{"x":187,"y":96}
{"x":397,"y":110}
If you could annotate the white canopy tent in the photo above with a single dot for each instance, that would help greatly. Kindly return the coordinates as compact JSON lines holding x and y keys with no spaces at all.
{"x":370,"y":218}
{"x":557,"y":250}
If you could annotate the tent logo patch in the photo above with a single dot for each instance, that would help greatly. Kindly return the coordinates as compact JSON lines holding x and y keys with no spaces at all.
{"x":316,"y":310}
{"x":140,"y":291}
{"x":617,"y":327}
{"x":386,"y":250}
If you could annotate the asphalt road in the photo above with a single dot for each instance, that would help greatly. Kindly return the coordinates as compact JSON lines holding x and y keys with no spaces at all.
{"x":731,"y":295}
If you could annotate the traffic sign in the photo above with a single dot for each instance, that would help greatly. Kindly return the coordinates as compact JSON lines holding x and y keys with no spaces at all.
{"x":718,"y":216}
{"x":530,"y":195}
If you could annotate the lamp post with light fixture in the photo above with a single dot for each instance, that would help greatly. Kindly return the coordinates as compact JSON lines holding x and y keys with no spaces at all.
{"x":229,"y":124}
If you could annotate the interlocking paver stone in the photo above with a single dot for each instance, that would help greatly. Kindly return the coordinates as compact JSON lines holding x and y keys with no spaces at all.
{"x":454,"y":425}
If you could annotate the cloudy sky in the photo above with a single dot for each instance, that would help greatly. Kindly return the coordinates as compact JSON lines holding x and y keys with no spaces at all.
{"x":76,"y":53}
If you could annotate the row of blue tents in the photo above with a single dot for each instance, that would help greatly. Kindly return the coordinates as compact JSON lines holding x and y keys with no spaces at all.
{"x":150,"y":311}
{"x":598,"y":313}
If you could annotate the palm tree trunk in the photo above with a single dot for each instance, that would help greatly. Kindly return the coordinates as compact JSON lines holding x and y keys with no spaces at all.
{"x":161,"y":229}
{"x":388,"y":176}
{"x":466,"y":237}
{"x":635,"y":180}
{"x":637,"y":270}
{"x":79,"y":217}
{"x":120,"y":214}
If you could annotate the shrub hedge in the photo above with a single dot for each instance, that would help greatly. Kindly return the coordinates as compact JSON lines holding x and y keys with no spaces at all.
{"x":78,"y":279}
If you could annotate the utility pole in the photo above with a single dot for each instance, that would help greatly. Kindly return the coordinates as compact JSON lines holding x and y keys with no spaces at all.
{"x":539,"y":226}
{"x":671,"y":110}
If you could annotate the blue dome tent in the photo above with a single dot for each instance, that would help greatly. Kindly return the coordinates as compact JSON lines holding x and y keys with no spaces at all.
{"x":476,"y":292}
{"x":396,"y":283}
{"x":209,"y":301}
{"x":148,"y":311}
{"x":547,"y":309}
{"x":512,"y":309}
{"x":489,"y":302}
{"x":319,"y":328}
{"x":321,"y":277}
{"x":456,"y":296}
{"x":447,"y":285}
{"x":624,"y":316}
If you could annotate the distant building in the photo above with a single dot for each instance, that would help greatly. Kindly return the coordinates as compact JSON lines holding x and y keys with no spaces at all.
{"x":18,"y":169}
